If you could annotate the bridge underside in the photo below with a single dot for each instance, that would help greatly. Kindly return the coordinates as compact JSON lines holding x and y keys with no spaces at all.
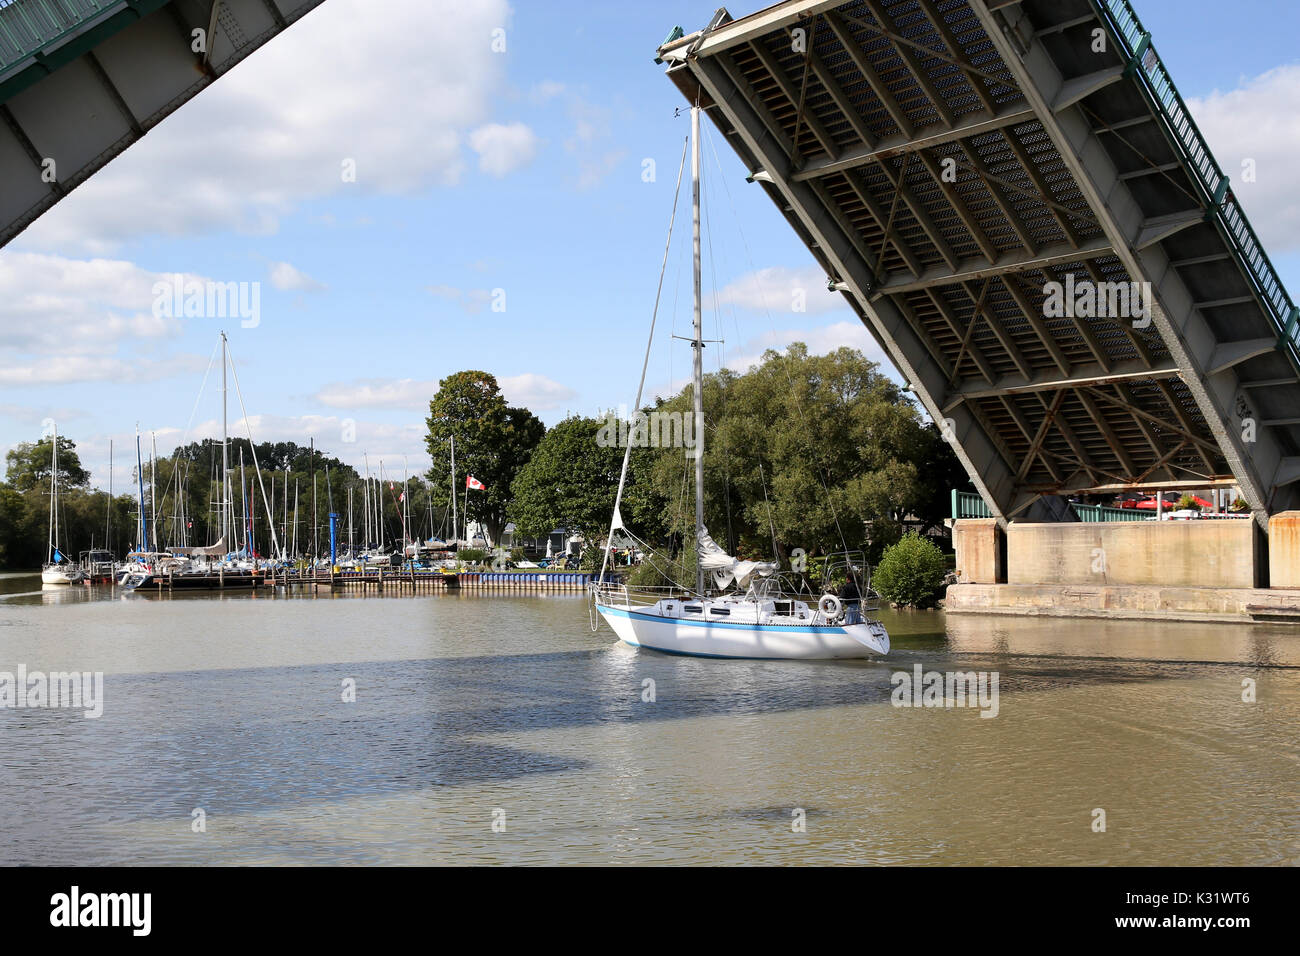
{"x":947,"y":162}
{"x":81,"y":80}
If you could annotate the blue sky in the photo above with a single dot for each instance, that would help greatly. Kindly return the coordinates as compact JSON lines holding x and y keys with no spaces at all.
{"x":476,"y":172}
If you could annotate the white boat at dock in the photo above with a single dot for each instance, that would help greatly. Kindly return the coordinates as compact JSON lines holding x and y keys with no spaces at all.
{"x":59,"y":570}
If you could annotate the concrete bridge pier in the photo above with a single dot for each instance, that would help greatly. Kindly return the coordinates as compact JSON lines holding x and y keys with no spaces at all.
{"x":1223,"y":570}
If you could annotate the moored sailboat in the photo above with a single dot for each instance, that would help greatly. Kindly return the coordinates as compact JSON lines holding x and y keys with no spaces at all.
{"x":59,"y":569}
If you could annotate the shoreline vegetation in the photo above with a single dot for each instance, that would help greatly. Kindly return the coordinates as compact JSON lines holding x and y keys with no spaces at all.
{"x":805,"y":455}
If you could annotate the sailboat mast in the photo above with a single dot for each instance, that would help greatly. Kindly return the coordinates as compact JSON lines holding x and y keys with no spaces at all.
{"x":108,"y":512}
{"x":225,"y":456}
{"x":698,"y":346}
{"x":139,"y":476}
{"x":153,"y":488}
{"x":454,"y":519}
{"x":243,"y":497}
{"x":54,"y":489}
{"x":315,"y":539}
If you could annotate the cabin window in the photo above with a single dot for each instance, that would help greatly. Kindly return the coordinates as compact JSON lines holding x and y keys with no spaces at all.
{"x":781,"y":607}
{"x":721,"y":611}
{"x":693,"y":609}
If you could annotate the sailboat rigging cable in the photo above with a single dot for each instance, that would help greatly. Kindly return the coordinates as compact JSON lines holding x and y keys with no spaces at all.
{"x":275,"y":544}
{"x":616,"y":520}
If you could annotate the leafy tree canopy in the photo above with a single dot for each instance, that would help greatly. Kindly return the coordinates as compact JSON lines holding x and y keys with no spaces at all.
{"x":571,"y":482}
{"x":493,"y":441}
{"x":28,"y":465}
{"x":815,"y":452}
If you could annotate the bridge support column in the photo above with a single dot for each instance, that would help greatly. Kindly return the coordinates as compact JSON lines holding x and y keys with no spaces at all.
{"x":1284,"y":550}
{"x":981,"y":549}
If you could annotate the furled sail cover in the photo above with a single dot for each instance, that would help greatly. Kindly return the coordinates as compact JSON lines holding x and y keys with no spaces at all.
{"x":725,"y":568}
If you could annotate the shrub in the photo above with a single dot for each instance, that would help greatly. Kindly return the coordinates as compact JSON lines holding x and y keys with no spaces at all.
{"x":1188,"y":503}
{"x":472,"y":555}
{"x":658,"y":570}
{"x":911,"y":572}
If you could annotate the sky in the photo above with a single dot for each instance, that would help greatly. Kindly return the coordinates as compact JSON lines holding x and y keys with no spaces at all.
{"x":502,"y":217}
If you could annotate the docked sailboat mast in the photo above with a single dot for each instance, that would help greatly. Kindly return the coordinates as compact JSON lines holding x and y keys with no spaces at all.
{"x":54,"y":491}
{"x":698,"y":346}
{"x":108,"y":512}
{"x":139,"y":481}
{"x":153,"y":489}
{"x":225,"y":456}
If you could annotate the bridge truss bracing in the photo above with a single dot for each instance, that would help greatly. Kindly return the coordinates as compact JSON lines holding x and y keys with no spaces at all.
{"x":82,"y":80}
{"x":947,"y":162}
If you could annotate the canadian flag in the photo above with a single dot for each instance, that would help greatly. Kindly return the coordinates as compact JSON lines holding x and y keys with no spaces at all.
{"x":474,"y":483}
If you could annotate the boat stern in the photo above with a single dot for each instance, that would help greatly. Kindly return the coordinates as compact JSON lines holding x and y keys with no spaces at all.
{"x":870,"y":634}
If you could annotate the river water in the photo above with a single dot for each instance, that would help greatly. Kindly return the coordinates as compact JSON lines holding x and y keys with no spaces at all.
{"x":500,"y":729}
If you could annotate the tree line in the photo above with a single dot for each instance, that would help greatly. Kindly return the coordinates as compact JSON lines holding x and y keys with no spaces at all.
{"x":822,"y":453}
{"x":819,"y":453}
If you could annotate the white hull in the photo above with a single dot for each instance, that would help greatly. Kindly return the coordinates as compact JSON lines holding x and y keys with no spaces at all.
{"x":763,"y":641}
{"x":62,"y":576}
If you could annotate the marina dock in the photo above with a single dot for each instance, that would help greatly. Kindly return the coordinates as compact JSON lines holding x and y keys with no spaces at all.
{"x":402,"y":579}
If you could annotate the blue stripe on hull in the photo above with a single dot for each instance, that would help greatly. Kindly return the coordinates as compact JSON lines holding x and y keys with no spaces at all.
{"x":721,"y":625}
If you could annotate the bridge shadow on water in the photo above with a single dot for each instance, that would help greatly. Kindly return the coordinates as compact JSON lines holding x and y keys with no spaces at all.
{"x":246,"y":740}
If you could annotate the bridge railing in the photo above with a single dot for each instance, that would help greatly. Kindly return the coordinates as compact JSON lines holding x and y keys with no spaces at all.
{"x":1210,"y":180}
{"x":28,"y":26}
{"x":1092,"y":513}
{"x":968,"y":505}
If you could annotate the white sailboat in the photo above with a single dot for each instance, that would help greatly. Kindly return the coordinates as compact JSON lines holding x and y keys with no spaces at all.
{"x":59,"y":570}
{"x":758,"y":618}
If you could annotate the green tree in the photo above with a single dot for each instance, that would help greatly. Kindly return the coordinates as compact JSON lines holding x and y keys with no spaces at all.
{"x":28,"y":465}
{"x":812,"y":452}
{"x":493,"y":442}
{"x":570,"y":482}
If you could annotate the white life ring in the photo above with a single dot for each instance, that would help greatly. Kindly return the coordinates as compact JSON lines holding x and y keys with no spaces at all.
{"x":830,"y":607}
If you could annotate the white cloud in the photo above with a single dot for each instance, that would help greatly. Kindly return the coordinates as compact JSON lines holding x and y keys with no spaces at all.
{"x":545,"y":90}
{"x":1256,"y":121}
{"x":591,"y":132}
{"x":340,"y":84}
{"x":821,"y":340}
{"x":57,"y":305}
{"x":778,"y":289}
{"x":535,"y":392}
{"x":472,"y":301}
{"x":502,"y":149}
{"x":378,"y":393}
{"x":287,"y":278}
{"x":66,"y":369}
{"x":530,"y":390}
